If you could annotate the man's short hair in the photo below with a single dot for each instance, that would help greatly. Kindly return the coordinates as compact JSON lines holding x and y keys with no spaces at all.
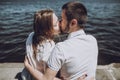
{"x":75,"y":10}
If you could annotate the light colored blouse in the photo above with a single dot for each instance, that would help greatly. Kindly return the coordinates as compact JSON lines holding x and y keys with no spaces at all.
{"x":43,"y":50}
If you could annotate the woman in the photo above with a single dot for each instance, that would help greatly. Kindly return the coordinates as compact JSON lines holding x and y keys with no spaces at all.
{"x":40,"y":42}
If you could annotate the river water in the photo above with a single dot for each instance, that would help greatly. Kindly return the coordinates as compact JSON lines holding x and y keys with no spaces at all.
{"x":16,"y":17}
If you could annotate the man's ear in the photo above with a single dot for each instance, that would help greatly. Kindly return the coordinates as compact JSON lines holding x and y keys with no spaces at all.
{"x":73,"y":22}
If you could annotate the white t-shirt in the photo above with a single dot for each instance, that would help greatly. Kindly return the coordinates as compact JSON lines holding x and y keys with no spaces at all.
{"x":43,"y":50}
{"x":76,"y":56}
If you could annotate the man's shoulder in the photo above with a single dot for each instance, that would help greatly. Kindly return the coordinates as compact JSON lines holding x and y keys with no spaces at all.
{"x":91,"y":37}
{"x":87,"y":37}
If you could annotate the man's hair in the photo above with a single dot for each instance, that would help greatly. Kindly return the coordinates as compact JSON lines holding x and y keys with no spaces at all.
{"x":75,"y":10}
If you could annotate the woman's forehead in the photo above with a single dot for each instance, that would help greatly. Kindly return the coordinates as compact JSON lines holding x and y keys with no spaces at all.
{"x":55,"y":18}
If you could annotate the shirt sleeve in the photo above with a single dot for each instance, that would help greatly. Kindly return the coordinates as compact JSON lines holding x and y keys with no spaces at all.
{"x":56,"y":59}
{"x":48,"y":47}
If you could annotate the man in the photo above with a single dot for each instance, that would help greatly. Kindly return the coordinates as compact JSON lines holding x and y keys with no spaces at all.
{"x":75,"y":56}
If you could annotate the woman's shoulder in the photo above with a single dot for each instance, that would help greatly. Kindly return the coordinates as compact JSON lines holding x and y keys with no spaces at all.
{"x":50,"y":42}
{"x":29,"y":38}
{"x":31,"y":34}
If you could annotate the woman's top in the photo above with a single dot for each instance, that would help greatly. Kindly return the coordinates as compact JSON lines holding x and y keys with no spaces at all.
{"x":43,"y":51}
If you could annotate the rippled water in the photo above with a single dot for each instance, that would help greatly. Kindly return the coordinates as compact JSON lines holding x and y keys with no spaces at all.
{"x":16,"y":23}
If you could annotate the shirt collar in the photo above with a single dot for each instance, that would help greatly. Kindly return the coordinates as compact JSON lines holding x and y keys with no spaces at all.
{"x":76,"y":33}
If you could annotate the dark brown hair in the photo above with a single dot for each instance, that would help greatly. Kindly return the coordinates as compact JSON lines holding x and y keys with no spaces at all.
{"x":75,"y":10}
{"x":43,"y":28}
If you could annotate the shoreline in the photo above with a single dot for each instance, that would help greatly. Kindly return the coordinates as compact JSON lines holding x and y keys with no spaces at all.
{"x":103,"y":59}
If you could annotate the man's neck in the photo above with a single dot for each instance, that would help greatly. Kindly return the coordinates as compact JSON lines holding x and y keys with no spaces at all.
{"x":74,"y":29}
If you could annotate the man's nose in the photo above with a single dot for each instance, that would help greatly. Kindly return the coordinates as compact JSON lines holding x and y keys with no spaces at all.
{"x":59,"y":23}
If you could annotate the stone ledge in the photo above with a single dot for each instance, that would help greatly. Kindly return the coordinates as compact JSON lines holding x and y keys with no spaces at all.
{"x":11,"y":71}
{"x":11,"y":65}
{"x":108,"y":72}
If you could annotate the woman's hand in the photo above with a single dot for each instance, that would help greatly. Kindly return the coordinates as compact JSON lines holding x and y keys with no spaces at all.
{"x":83,"y":77}
{"x":26,"y":62}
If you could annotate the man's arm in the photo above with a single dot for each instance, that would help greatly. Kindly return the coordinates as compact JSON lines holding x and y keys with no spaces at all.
{"x":49,"y":73}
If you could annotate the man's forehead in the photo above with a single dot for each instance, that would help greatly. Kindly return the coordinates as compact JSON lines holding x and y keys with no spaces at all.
{"x":63,"y":14}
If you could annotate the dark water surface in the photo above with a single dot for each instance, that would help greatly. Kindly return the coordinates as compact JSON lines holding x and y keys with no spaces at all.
{"x":16,"y":17}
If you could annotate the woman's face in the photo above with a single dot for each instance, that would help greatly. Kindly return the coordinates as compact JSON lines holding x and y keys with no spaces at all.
{"x":56,"y":25}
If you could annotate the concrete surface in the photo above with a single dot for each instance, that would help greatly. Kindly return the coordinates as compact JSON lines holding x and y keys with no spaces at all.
{"x":12,"y":71}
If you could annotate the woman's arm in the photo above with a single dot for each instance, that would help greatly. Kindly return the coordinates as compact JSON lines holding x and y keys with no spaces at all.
{"x":49,"y":74}
{"x":35,"y":73}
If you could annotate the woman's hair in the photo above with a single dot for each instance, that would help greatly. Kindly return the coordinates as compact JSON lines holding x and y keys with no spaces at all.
{"x":75,"y":10}
{"x":43,"y":28}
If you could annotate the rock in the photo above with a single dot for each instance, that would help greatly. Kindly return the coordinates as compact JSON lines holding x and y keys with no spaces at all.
{"x":108,"y":72}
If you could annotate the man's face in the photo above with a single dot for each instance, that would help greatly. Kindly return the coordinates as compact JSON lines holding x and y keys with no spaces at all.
{"x":63,"y":23}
